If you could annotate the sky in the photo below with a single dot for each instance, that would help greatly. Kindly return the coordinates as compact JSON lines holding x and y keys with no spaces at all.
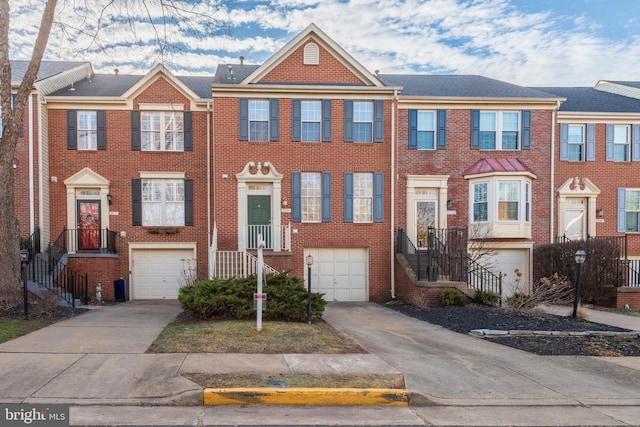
{"x":526,"y":42}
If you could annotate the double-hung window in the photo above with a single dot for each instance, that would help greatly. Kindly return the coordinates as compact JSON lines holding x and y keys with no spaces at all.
{"x":163,"y":202}
{"x":162,"y":131}
{"x":575,"y":141}
{"x":258,"y":120}
{"x":499,"y":130}
{"x":362,"y":121}
{"x":426,"y":130}
{"x":311,"y":196}
{"x":508,"y":200}
{"x":362,"y":197}
{"x":480,"y":202}
{"x":310,"y":120}
{"x":629,"y":210}
{"x":621,"y":139}
{"x":87,"y":130}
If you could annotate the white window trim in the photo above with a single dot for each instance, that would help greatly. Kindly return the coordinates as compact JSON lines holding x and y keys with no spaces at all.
{"x":583,"y":143}
{"x":79,"y":130}
{"x":318,"y":197}
{"x":434,"y":130}
{"x":319,"y":121}
{"x":370,"y":122}
{"x":472,"y":201}
{"x":499,"y":130}
{"x":250,"y":120}
{"x":627,"y":144}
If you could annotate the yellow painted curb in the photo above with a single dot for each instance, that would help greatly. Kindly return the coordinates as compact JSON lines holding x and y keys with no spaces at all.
{"x":306,"y":396}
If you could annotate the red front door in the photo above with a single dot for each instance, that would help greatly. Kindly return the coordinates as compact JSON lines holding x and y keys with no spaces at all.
{"x":88,"y":224}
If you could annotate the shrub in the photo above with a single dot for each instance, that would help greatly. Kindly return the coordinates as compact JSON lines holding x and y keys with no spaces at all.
{"x":520,"y":301}
{"x":486,"y":298}
{"x":233,"y":298}
{"x":452,"y":297}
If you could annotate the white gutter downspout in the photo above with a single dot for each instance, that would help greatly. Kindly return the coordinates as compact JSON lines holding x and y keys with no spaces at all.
{"x":32,"y":213}
{"x":393,"y":190}
{"x":552,"y":218}
{"x":209,"y":237}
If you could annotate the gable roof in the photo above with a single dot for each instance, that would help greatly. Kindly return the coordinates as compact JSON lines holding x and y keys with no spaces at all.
{"x":498,"y":166}
{"x":460,"y":86}
{"x":120,"y":85}
{"x":312,"y":31}
{"x":233,"y":73}
{"x":47,"y":69}
{"x":590,"y":100}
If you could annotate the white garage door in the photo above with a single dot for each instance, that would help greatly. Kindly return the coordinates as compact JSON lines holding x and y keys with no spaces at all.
{"x":339,"y":273}
{"x":511,"y":262}
{"x":158,"y":273}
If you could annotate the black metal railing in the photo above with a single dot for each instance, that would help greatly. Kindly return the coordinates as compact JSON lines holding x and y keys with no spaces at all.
{"x":81,"y":240}
{"x":31,"y":243}
{"x":59,"y":279}
{"x":446,"y":258}
{"x":482,"y":279}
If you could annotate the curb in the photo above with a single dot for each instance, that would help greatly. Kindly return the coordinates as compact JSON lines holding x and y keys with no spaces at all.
{"x":305,"y":397}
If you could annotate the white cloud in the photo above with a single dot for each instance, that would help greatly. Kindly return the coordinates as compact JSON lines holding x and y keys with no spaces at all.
{"x":486,"y":37}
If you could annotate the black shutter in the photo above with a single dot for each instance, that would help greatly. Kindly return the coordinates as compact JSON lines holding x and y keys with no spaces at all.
{"x":442,"y":129}
{"x":101,"y":121}
{"x":136,"y":201}
{"x":188,"y":202}
{"x":188,"y":131}
{"x":135,"y":130}
{"x":274,"y":119}
{"x":72,"y":130}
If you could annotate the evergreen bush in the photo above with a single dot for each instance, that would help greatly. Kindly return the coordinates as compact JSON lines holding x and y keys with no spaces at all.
{"x":287,"y":298}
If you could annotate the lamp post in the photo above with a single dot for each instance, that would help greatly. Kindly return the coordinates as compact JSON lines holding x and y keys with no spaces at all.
{"x":580,"y":257}
{"x":24,"y":260}
{"x":309,"y":264}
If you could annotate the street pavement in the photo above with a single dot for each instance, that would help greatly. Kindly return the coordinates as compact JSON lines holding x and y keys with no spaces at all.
{"x":96,"y":363}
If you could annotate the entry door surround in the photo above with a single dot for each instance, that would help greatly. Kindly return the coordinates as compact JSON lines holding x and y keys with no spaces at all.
{"x":569,"y":191}
{"x":422,"y":188}
{"x":259,"y":179}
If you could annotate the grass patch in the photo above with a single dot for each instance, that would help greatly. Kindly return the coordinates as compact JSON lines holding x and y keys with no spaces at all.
{"x":11,"y":328}
{"x":298,"y":380}
{"x":241,"y":336}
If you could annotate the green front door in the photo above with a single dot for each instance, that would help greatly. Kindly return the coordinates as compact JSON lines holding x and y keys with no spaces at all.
{"x":259,"y":220}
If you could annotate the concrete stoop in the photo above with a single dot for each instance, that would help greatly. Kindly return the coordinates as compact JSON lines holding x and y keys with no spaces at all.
{"x":265,"y":396}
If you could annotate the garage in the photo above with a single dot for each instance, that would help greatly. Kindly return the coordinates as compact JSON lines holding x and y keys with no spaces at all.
{"x":339,"y":273}
{"x":158,"y":273}
{"x":510,"y":262}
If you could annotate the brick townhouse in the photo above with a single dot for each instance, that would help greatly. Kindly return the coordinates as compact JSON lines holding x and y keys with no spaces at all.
{"x":474,"y":154}
{"x":128,"y":169}
{"x":302,"y":157}
{"x":597,"y":152}
{"x":384,"y":180}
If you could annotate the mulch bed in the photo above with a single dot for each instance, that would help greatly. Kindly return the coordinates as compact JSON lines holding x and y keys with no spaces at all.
{"x":467,"y":318}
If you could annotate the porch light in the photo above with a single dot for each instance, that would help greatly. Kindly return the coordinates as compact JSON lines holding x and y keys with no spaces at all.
{"x":109,"y":198}
{"x":580,"y":258}
{"x":309,"y":264}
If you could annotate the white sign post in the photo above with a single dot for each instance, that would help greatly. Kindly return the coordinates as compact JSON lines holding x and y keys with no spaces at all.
{"x":259,"y":294}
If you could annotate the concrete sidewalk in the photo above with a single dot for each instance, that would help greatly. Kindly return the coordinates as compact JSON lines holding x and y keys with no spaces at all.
{"x":98,"y":359}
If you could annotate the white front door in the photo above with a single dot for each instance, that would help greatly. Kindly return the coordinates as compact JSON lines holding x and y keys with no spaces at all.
{"x":426,"y":218}
{"x":575,"y":219}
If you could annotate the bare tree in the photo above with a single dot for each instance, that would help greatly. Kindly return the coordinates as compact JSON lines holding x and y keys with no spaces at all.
{"x":88,"y":21}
